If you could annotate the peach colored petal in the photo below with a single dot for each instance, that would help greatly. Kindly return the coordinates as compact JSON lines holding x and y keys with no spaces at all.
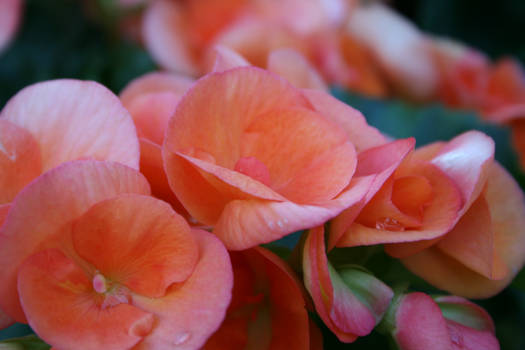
{"x":362,"y":135}
{"x":317,"y":154}
{"x":73,"y":119}
{"x":506,"y":205}
{"x":254,"y":38}
{"x":4,"y":209}
{"x":398,"y":46}
{"x":151,"y":101}
{"x":156,"y":82}
{"x":222,"y":58}
{"x":472,"y":242}
{"x":53,"y":200}
{"x":206,"y":18}
{"x":246,"y":223}
{"x":189,"y":313}
{"x":147,"y":247}
{"x":467,"y":159}
{"x":230,"y":183}
{"x":10,"y":15}
{"x":376,"y":164}
{"x":165,"y":32}
{"x":225,"y":106}
{"x":438,"y":217}
{"x":19,"y":160}
{"x":62,"y":308}
{"x":152,"y":167}
{"x":420,"y":324}
{"x":293,"y":66}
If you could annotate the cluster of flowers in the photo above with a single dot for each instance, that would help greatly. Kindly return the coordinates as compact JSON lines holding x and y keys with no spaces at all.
{"x":94,"y":252}
{"x":362,"y":46}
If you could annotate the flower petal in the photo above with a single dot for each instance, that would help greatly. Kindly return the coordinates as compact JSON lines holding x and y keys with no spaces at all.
{"x":507,"y":205}
{"x":10,"y":14}
{"x":294,"y":67}
{"x":225,"y":58}
{"x":151,"y":101}
{"x":190,"y":312}
{"x":420,"y":324}
{"x":247,"y":223}
{"x":362,"y":135}
{"x":62,"y":307}
{"x":53,"y":200}
{"x":146,"y":247}
{"x":165,"y":33}
{"x":20,"y":160}
{"x":152,"y":167}
{"x":377,"y":164}
{"x":73,"y":119}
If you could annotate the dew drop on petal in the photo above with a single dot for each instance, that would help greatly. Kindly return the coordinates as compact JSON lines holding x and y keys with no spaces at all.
{"x":181,"y":338}
{"x":389,"y":224}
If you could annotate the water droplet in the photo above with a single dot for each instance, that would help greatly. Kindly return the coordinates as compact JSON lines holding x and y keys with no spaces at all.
{"x":389,"y":224}
{"x":280,"y":224}
{"x":181,"y":338}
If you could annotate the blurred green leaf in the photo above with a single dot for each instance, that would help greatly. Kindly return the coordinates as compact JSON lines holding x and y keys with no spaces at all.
{"x":31,"y":342}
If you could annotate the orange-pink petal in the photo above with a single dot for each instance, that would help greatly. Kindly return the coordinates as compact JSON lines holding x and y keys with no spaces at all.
{"x":362,"y":135}
{"x":247,"y":223}
{"x":146,"y":247}
{"x":52,"y":201}
{"x":165,"y":31}
{"x":190,"y":312}
{"x":296,"y":68}
{"x":73,"y":119}
{"x":62,"y":308}
{"x":20,"y":160}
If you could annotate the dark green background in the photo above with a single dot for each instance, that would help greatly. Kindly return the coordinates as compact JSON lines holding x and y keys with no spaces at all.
{"x":56,"y":40}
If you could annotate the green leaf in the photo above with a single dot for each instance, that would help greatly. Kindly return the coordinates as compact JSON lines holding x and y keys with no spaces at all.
{"x":31,"y":342}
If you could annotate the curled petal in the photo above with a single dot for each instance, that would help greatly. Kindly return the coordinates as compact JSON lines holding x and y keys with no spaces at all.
{"x":336,"y":296}
{"x":73,"y":119}
{"x":246,"y":223}
{"x":53,"y":200}
{"x":190,"y":312}
{"x":506,"y":205}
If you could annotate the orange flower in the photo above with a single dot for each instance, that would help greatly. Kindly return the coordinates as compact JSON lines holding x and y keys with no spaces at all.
{"x":10,"y":15}
{"x":244,"y":144}
{"x":179,"y":34}
{"x":468,"y":241}
{"x":267,"y":309}
{"x":52,"y":122}
{"x":104,"y":265}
